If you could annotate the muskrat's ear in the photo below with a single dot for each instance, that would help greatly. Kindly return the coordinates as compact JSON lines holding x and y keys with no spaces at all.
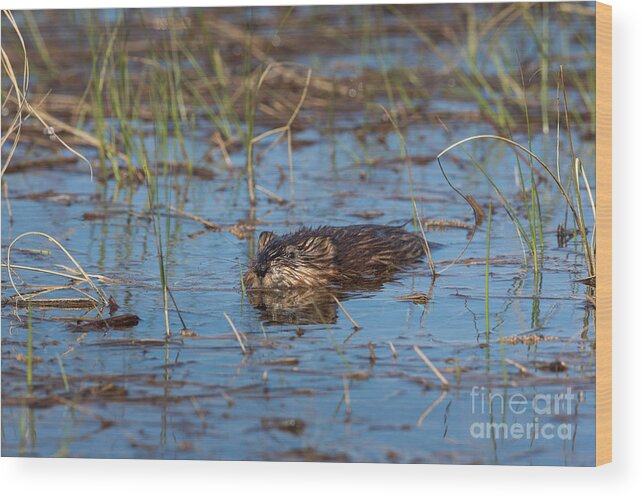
{"x":321,"y":247}
{"x":264,"y":240}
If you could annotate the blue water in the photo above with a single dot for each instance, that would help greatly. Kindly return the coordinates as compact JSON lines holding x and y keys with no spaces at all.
{"x":201,"y":398}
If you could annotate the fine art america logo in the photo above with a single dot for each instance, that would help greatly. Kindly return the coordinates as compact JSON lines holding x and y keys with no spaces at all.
{"x":514,"y":408}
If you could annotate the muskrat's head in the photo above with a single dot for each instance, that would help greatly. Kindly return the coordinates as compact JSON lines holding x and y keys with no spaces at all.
{"x":295,"y":260}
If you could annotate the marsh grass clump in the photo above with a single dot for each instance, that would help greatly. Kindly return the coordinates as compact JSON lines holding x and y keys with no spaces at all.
{"x":572,"y":195}
{"x":501,"y":99}
{"x":55,"y":289}
{"x":16,"y":98}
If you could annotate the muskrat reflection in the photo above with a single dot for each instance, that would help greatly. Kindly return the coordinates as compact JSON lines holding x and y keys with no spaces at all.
{"x":308,"y":306}
{"x":294,"y":306}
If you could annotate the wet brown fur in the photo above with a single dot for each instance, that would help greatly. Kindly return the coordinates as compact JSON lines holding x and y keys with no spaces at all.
{"x":331,"y":256}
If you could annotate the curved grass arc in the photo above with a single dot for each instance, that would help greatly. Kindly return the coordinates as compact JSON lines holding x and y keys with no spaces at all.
{"x":578,"y":217}
{"x":86,"y":277}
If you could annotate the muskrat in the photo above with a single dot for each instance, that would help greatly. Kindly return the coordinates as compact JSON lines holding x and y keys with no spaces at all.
{"x":332,"y":256}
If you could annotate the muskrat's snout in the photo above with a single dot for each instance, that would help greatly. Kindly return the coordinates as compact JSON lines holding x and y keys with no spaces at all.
{"x":261,"y":269}
{"x":255,"y":277}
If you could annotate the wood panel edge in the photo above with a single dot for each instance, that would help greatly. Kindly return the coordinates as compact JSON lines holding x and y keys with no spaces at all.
{"x":603,"y":233}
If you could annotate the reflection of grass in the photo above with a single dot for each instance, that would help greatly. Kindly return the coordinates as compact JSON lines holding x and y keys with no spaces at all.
{"x":241,"y":282}
{"x":486,"y":277}
{"x":29,"y":349}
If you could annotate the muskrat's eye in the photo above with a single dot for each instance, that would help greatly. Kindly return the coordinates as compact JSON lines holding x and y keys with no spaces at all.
{"x":291,"y":254}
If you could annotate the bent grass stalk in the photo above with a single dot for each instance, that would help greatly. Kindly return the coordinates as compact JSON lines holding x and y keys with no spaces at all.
{"x":281,"y":130}
{"x":24,"y":108}
{"x":417,"y":222}
{"x":573,"y":208}
{"x":101,"y":301}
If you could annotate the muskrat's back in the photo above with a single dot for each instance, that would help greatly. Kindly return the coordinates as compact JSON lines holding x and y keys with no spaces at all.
{"x":331,"y":256}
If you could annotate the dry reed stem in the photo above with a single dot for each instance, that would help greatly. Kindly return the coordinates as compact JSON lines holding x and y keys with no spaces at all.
{"x":390,"y":345}
{"x":206,"y":223}
{"x":287,"y":128}
{"x":521,"y":368}
{"x":277,"y":198}
{"x":561,"y":188}
{"x":357,"y":327}
{"x":236,"y":333}
{"x":445,"y":382}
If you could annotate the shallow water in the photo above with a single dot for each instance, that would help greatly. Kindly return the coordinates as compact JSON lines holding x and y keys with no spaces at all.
{"x":131,"y":394}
